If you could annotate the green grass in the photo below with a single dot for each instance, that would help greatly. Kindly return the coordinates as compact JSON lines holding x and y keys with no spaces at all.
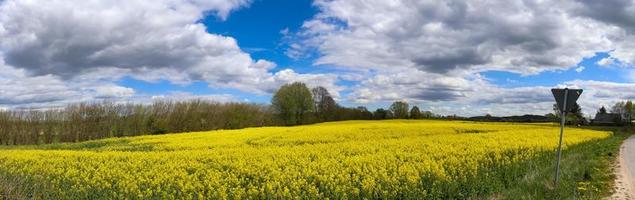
{"x":586,"y":172}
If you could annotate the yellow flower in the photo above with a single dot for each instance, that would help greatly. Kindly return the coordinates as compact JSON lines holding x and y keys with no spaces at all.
{"x":339,"y":160}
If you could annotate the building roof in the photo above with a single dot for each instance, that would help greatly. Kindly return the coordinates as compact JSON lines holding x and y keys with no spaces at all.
{"x":607,"y":118}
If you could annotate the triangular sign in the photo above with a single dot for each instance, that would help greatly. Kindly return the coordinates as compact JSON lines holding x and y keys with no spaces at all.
{"x":572,"y":97}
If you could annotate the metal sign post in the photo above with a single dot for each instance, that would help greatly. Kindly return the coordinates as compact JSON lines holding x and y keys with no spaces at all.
{"x":563,"y":115}
{"x":565,"y":99}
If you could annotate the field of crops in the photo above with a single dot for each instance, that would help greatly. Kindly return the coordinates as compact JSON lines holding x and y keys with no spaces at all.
{"x":340,"y":160}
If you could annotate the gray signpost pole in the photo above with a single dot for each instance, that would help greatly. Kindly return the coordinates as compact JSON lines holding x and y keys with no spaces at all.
{"x":563,"y":115}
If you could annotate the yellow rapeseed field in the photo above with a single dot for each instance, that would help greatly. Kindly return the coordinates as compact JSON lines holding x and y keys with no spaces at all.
{"x":340,"y":160}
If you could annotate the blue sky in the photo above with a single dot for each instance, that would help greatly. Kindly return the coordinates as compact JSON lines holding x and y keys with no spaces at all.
{"x":258,"y":27}
{"x":259,"y":31}
{"x":590,"y":71}
{"x":435,"y":54}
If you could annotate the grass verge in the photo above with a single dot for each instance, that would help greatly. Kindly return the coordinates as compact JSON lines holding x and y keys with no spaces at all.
{"x":586,"y":171}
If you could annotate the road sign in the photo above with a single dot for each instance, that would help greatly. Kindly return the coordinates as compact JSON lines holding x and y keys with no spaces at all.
{"x":572,"y":96}
{"x":565,"y":99}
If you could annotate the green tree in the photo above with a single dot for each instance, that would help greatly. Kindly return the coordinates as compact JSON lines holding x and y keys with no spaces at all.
{"x":576,"y":114}
{"x":292,"y":102}
{"x":552,"y":117}
{"x":381,"y":113}
{"x":415,"y":113}
{"x":364,"y":113}
{"x":399,"y":109}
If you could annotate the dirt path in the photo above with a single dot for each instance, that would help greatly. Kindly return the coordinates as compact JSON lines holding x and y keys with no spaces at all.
{"x":624,"y":185}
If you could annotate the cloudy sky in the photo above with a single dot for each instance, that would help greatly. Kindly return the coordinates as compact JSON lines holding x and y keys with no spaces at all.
{"x":465,"y":57}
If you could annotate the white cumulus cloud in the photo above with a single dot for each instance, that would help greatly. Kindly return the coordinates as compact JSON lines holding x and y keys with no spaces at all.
{"x":80,"y":48}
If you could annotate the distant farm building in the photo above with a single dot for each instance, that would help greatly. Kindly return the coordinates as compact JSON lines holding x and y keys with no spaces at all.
{"x":607,"y":119}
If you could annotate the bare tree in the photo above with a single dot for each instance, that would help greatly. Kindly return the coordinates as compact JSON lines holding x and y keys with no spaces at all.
{"x":324,"y":104}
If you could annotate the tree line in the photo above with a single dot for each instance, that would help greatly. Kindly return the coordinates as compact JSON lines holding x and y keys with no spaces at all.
{"x":295,"y":104}
{"x":292,"y":104}
{"x":622,"y":110}
{"x":573,"y":117}
{"x":81,"y":122}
